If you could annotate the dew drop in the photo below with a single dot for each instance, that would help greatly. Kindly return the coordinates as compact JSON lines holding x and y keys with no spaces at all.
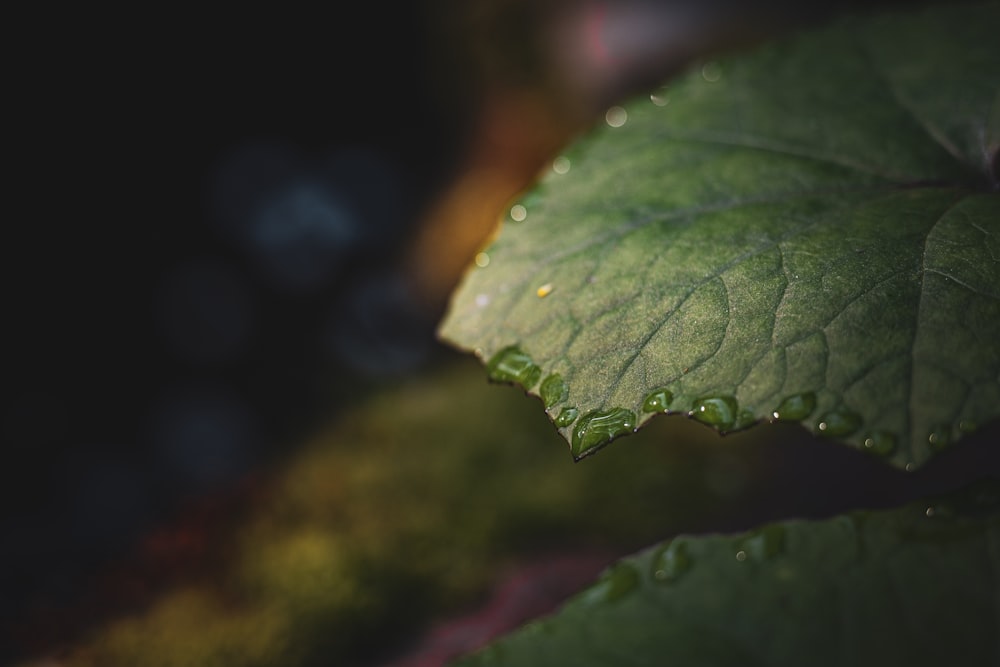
{"x":940,"y":437}
{"x":518,"y":213}
{"x":910,"y":467}
{"x":764,"y":543}
{"x":967,"y":426}
{"x":616,"y":582}
{"x":482,"y":260}
{"x":718,"y":411}
{"x":711,"y":71}
{"x":882,"y":443}
{"x":512,"y":365}
{"x":616,"y":116}
{"x":660,"y":97}
{"x":544,"y":290}
{"x":796,"y":408}
{"x":839,"y":423}
{"x":599,"y":427}
{"x":741,"y":555}
{"x":566,"y":417}
{"x":553,"y":390}
{"x":671,"y":562}
{"x":658,"y":400}
{"x":561,"y":165}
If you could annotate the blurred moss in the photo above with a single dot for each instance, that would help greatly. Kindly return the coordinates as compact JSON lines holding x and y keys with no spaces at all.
{"x":190,"y":627}
{"x":405,"y":511}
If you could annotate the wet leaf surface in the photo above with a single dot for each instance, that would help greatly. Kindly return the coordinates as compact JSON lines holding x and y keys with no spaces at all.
{"x":807,"y":231}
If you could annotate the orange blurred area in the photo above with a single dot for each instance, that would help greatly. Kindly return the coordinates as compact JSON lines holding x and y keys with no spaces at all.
{"x":517,"y":137}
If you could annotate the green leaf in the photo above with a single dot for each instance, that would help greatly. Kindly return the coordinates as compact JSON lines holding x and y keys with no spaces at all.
{"x":810,"y":231}
{"x":912,"y":586}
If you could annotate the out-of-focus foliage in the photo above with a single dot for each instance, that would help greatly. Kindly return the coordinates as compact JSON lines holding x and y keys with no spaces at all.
{"x":405,"y":511}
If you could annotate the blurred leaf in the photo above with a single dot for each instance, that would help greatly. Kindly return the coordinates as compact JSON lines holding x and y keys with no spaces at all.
{"x":808,"y":231}
{"x":911,"y":586}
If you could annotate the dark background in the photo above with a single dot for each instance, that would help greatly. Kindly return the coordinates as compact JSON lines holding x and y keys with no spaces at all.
{"x":204,"y":254}
{"x":163,"y":336}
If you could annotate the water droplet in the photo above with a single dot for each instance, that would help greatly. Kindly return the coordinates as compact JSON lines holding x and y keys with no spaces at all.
{"x":940,"y":437}
{"x":838,"y":423}
{"x":658,"y":400}
{"x":671,"y":562}
{"x":929,"y":512}
{"x":765,"y":542}
{"x":599,"y":427}
{"x":553,"y":390}
{"x":741,"y":555}
{"x":616,"y":116}
{"x":544,"y":290}
{"x":566,"y":417}
{"x":711,"y":71}
{"x":660,"y":97}
{"x":615,"y":583}
{"x":561,"y":165}
{"x":717,"y":411}
{"x":482,"y":260}
{"x":518,"y":213}
{"x":512,"y":365}
{"x":797,"y":407}
{"x":967,"y":426}
{"x":882,"y":443}
{"x":910,"y":467}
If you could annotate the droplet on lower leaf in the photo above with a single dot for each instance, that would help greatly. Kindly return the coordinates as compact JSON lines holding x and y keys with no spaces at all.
{"x":671,"y":562}
{"x":718,"y":411}
{"x":940,"y":437}
{"x":796,"y":408}
{"x":511,"y":364}
{"x":658,"y":400}
{"x":764,"y":543}
{"x":967,"y":426}
{"x":566,"y":417}
{"x":882,"y":443}
{"x":553,"y":390}
{"x":839,"y":423}
{"x":616,"y":582}
{"x":660,"y":97}
{"x":599,"y":427}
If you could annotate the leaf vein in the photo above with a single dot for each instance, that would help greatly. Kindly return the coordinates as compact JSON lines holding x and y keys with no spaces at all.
{"x":785,"y":150}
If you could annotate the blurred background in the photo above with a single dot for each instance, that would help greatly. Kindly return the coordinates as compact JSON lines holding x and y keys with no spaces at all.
{"x":230,"y":241}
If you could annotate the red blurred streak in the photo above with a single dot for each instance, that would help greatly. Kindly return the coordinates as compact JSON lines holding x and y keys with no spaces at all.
{"x":533,"y":590}
{"x":596,"y":20}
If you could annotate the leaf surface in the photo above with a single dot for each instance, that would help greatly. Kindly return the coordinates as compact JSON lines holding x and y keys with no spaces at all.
{"x":918,"y":585}
{"x":809,"y":231}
